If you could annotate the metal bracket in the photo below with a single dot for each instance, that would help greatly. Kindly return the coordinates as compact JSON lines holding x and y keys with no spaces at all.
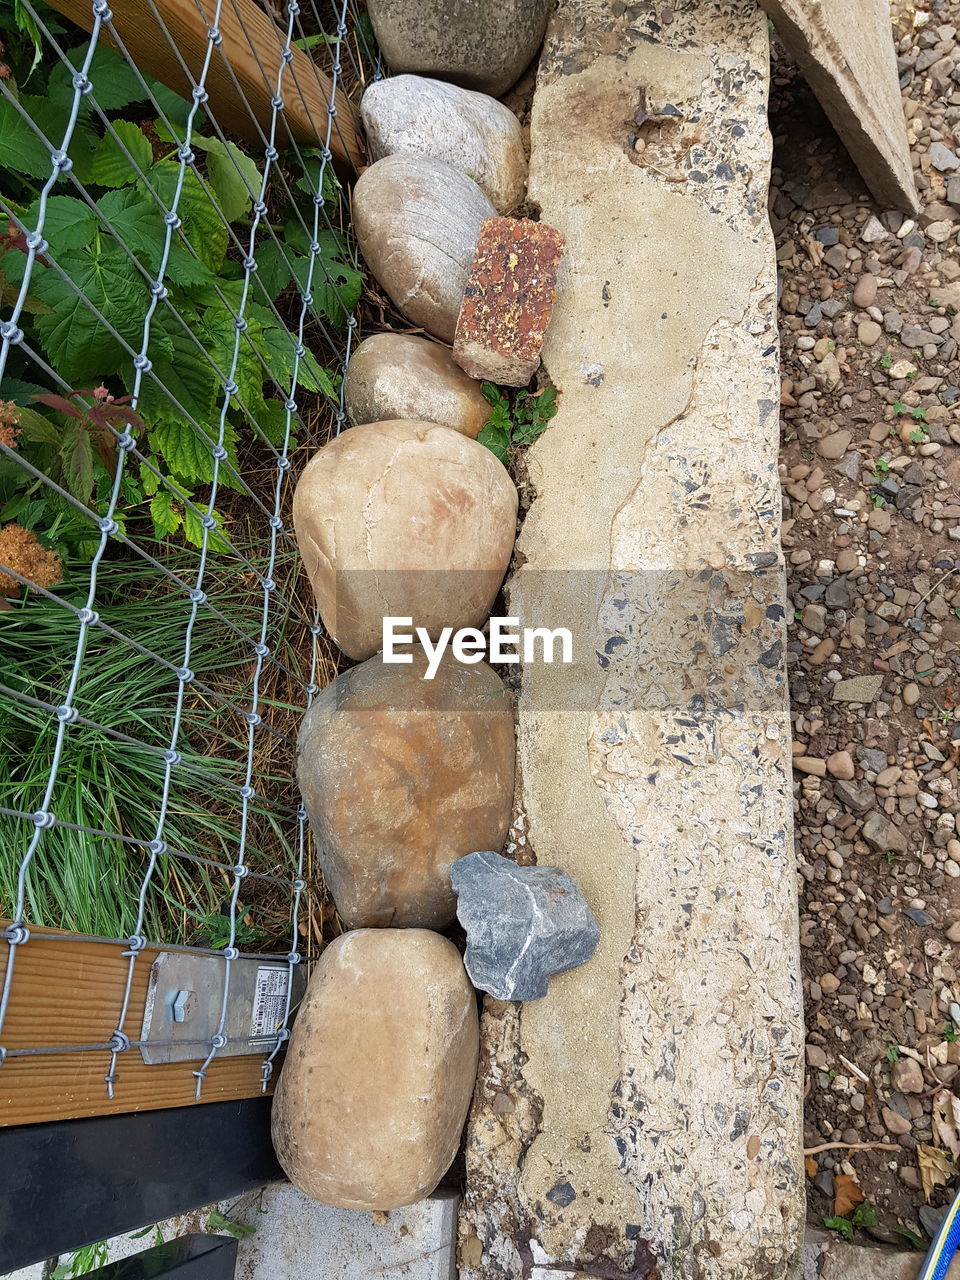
{"x":185,"y":997}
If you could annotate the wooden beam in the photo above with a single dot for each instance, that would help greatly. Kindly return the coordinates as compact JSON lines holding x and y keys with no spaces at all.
{"x":66,"y":991}
{"x":253,"y":44}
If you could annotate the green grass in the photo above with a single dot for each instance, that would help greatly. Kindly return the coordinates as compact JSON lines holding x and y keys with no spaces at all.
{"x":88,"y":883}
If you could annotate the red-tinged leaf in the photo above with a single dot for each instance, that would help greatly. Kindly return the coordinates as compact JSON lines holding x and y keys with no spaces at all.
{"x":107,"y":449}
{"x":62,"y":405}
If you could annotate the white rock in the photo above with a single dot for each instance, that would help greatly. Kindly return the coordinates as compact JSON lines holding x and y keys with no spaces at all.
{"x":417,"y":222}
{"x":471,"y":131}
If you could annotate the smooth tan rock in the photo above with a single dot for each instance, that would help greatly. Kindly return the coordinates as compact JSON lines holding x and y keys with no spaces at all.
{"x":402,"y":776}
{"x":417,"y":222}
{"x":379,"y":1072}
{"x":486,"y":44}
{"x":471,"y":131}
{"x":406,"y":519}
{"x":393,"y":375}
{"x":845,"y":50}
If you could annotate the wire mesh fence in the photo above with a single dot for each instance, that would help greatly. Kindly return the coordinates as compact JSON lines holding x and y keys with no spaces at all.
{"x":178,"y":296}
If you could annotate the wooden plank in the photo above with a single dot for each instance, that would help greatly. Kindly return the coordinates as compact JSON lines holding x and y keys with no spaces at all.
{"x":65,"y":992}
{"x":253,"y":43}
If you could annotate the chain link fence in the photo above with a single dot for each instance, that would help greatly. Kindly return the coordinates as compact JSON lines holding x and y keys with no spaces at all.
{"x":178,"y":296}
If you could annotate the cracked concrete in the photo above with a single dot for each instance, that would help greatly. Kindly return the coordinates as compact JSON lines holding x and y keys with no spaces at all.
{"x":644,"y":1117}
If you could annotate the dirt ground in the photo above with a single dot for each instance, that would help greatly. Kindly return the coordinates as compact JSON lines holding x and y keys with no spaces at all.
{"x":871,"y":501}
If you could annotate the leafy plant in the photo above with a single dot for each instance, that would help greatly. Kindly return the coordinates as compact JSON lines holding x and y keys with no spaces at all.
{"x":886,"y":360}
{"x":519,"y":423}
{"x":881,"y":468}
{"x":90,"y":1258}
{"x":864,"y":1215}
{"x":217,"y":1221}
{"x":915,"y":1239}
{"x":104,"y":252}
{"x":950,"y":1033}
{"x":893,"y":1053}
{"x":878,"y":500}
{"x":216,"y":926}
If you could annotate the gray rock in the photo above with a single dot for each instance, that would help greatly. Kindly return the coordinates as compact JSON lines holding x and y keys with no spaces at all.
{"x":858,"y":689}
{"x":522,"y":924}
{"x":953,"y":191}
{"x":859,"y":799}
{"x":471,"y":131}
{"x":872,"y":760}
{"x":942,"y":158}
{"x":485,"y":45}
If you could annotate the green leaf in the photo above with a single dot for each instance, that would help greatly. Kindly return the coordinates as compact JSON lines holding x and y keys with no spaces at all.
{"x":277,"y":348}
{"x":233,"y":177}
{"x":194,"y":533}
{"x":115,"y":83}
{"x":843,"y":1226}
{"x":166,"y":519}
{"x":77,"y":455}
{"x":216,"y":1221}
{"x":202,"y":225}
{"x":68,"y":224}
{"x":916,"y":1241}
{"x":37,"y":429}
{"x":497,"y":440}
{"x":26,"y":24}
{"x":273,"y":269}
{"x":74,"y":339}
{"x":137,"y":221}
{"x":110,"y":166}
{"x":173,"y":105}
{"x":20,"y":148}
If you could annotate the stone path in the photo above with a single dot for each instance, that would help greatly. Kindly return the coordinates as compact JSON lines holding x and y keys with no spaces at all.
{"x":652,"y":1098}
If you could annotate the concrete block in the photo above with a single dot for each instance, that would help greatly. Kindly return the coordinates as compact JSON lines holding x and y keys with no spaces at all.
{"x":825,"y":1254}
{"x":644,"y":1116}
{"x":845,"y":50}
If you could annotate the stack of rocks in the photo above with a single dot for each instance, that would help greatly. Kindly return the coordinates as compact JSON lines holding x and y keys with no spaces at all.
{"x":407,"y":515}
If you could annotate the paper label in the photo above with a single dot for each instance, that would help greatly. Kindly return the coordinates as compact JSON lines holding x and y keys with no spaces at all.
{"x":269,"y":1001}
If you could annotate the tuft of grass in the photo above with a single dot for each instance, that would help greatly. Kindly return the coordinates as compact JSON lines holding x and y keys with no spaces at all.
{"x":90,"y":883}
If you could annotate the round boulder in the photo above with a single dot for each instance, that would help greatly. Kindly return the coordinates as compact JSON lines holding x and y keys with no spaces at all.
{"x":417,"y":222}
{"x":379,"y":1071}
{"x":400,"y":777}
{"x":485,"y":45}
{"x":393,"y":375}
{"x":471,"y":131}
{"x":403,"y":519}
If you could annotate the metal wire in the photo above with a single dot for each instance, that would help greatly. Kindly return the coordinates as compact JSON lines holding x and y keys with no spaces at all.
{"x":275,"y":601}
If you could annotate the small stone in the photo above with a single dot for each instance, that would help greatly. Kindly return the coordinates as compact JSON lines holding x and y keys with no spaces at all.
{"x":417,"y":222}
{"x":437,"y":754}
{"x":829,"y":983}
{"x":858,"y":799}
{"x":911,"y":694}
{"x":470,"y":131}
{"x":905,"y":1075}
{"x":953,"y":933}
{"x":917,"y":915}
{"x":379,"y":1072}
{"x":870,"y":760}
{"x":395,"y":376}
{"x":810,"y":764}
{"x":835,"y":445}
{"x":901,"y":369}
{"x":953,"y":191}
{"x":873,"y":231}
{"x":868,"y":332}
{"x":522,"y":924}
{"x":883,"y":835}
{"x":507,"y":300}
{"x":858,"y":689}
{"x":895,"y":1123}
{"x":840,"y":764}
{"x":816,"y":1057}
{"x":865,"y":291}
{"x":485,"y":45}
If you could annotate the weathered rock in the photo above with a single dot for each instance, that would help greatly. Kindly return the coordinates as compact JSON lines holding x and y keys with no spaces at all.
{"x":883,"y":835}
{"x":907,"y":1076}
{"x":417,"y":222}
{"x":400,"y":777}
{"x":407,"y":519}
{"x":508,"y":300}
{"x":846,"y":53}
{"x":379,"y":1071}
{"x":471,"y":131}
{"x":858,"y":689}
{"x":394,"y":375}
{"x":522,"y":923}
{"x":484,"y":45}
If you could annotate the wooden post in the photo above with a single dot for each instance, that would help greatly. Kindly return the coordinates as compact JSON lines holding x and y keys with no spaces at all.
{"x":252,"y":44}
{"x":67,"y":991}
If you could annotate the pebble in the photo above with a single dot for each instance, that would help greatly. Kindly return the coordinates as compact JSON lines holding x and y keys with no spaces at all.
{"x":865,"y":291}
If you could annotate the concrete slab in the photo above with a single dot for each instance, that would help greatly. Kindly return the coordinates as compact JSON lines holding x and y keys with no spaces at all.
{"x":845,"y":50}
{"x":826,"y":1255}
{"x":649,"y":1107}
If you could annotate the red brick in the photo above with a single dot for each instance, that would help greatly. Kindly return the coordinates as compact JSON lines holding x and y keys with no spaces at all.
{"x":508,"y":300}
